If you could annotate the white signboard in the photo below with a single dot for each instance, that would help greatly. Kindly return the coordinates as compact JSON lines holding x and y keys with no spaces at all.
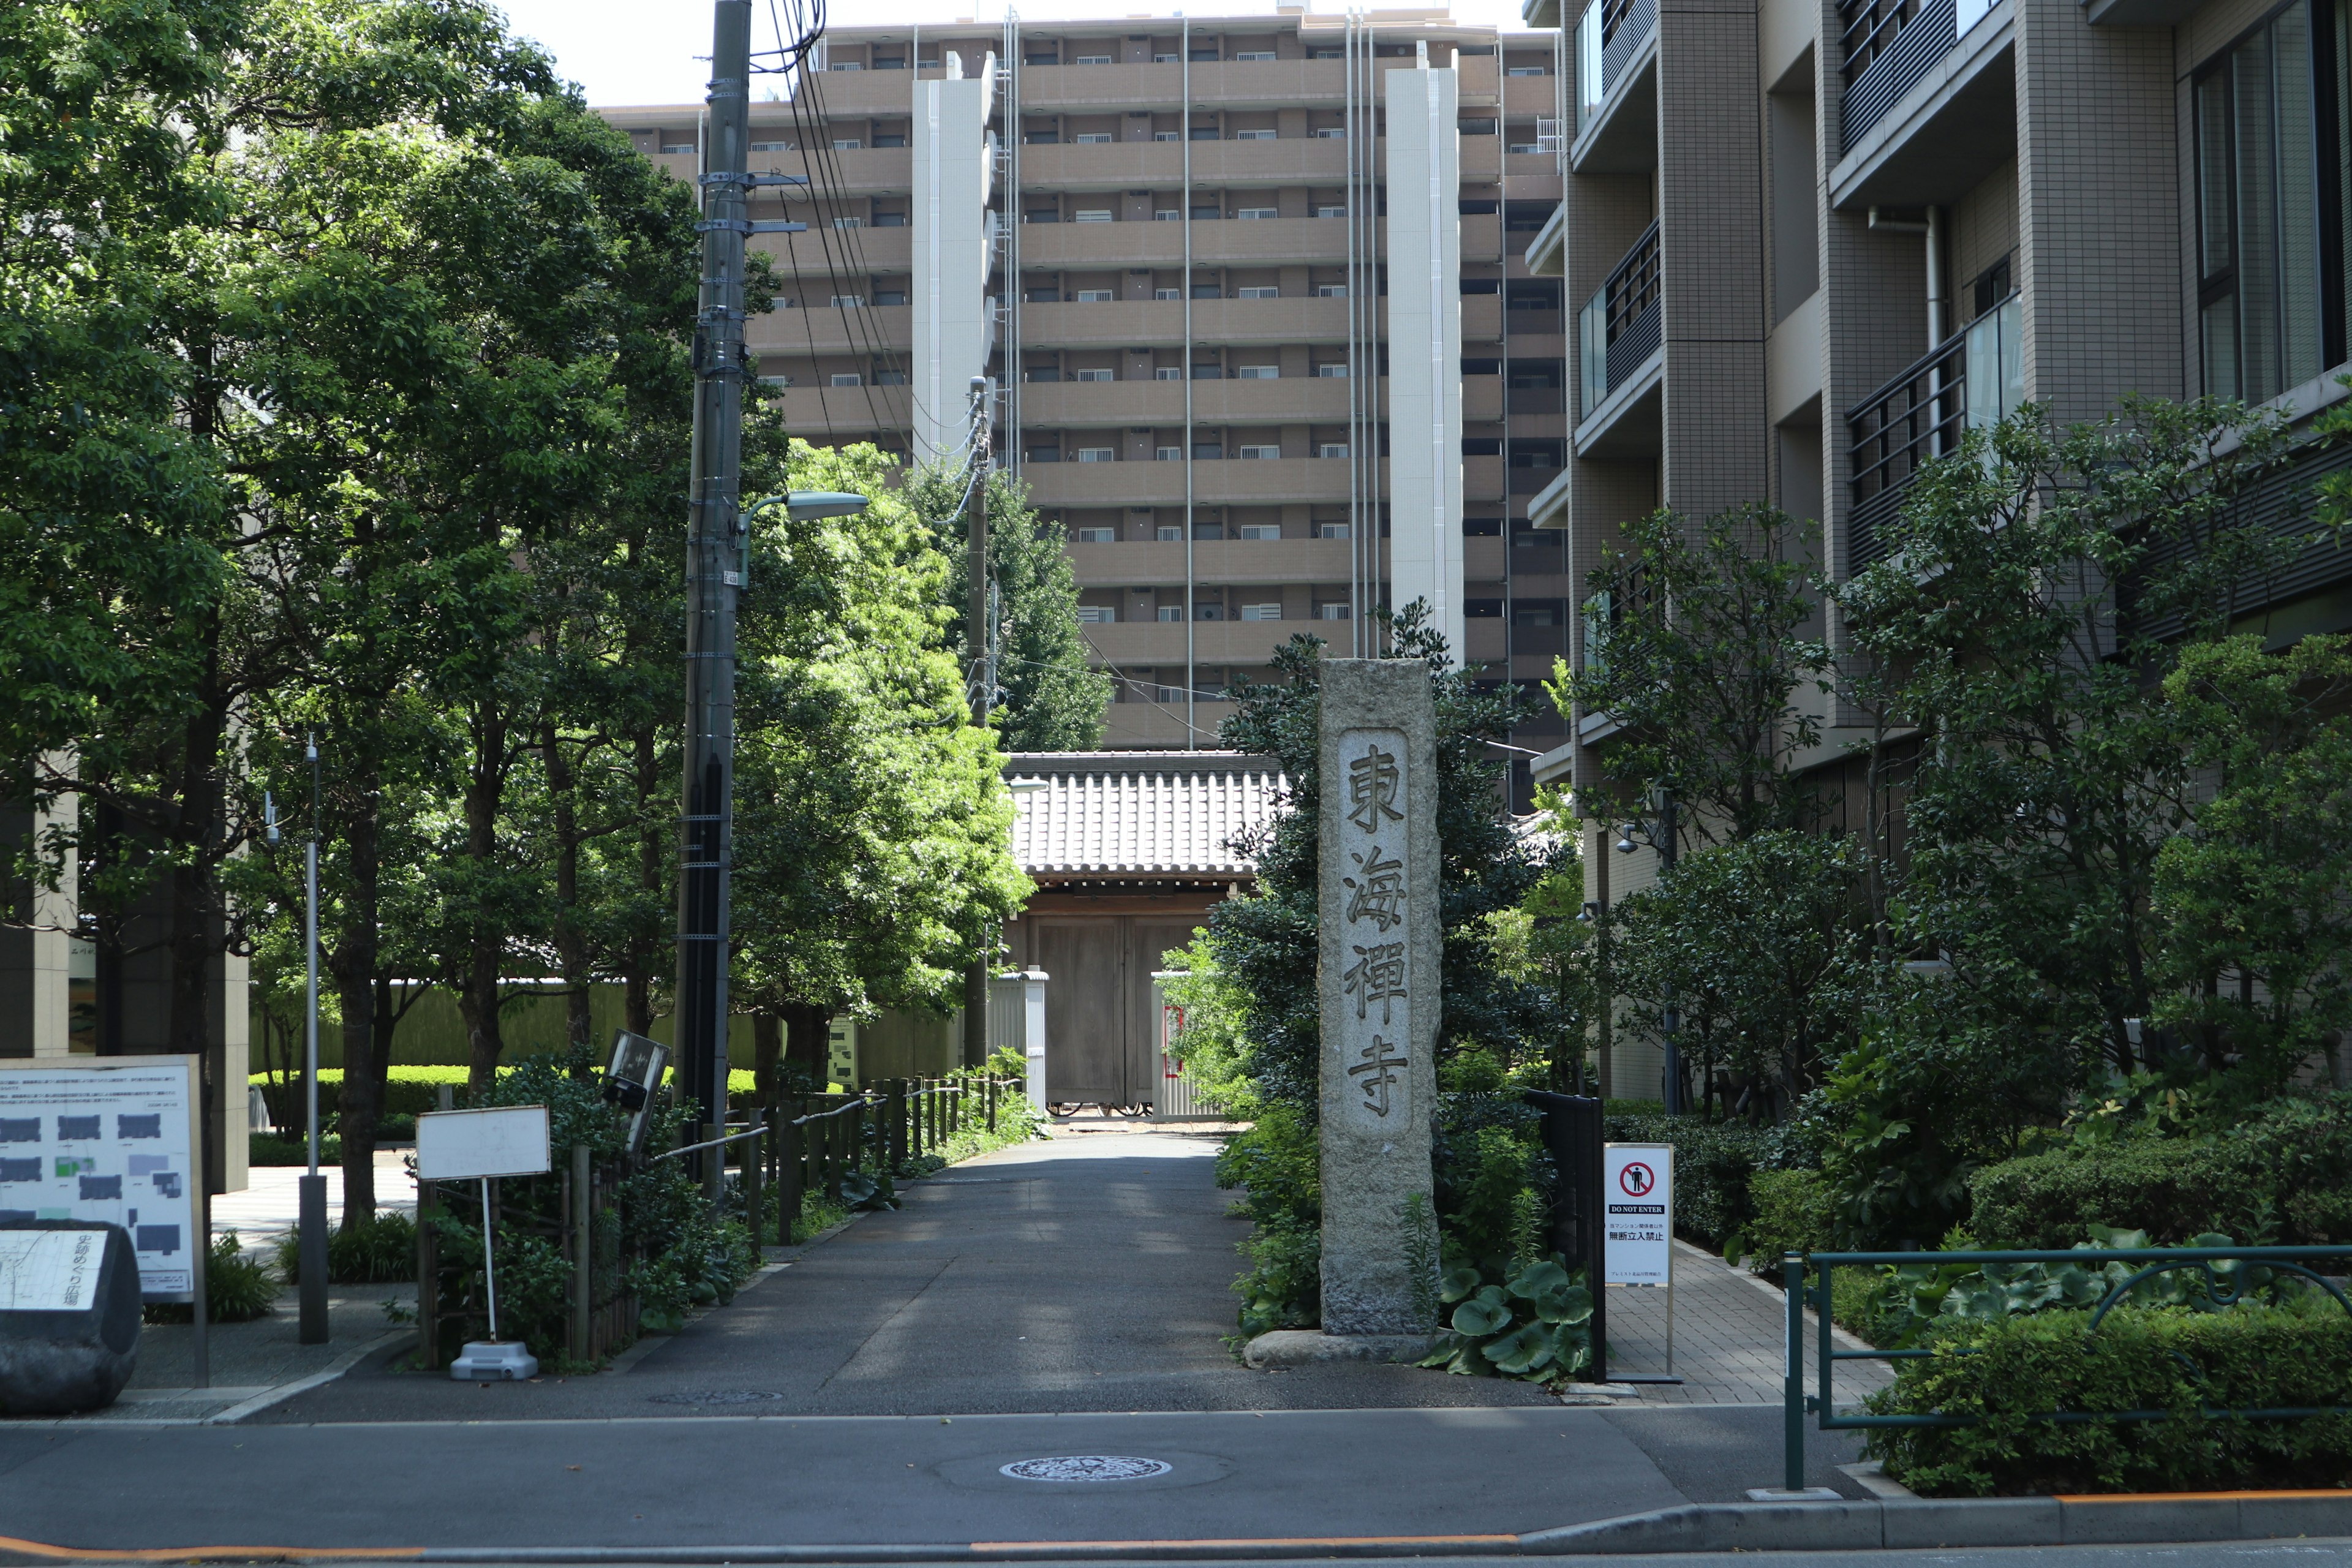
{"x":108,"y":1139}
{"x":1637,"y":1190}
{"x":498,"y":1140}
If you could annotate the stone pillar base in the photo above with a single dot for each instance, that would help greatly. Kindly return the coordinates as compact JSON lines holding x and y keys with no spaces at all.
{"x":1313,"y":1347}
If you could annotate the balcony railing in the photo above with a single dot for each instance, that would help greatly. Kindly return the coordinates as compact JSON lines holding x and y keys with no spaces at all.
{"x":1922,"y":414}
{"x":1889,"y":44}
{"x":1620,"y":326}
{"x":1607,"y":38}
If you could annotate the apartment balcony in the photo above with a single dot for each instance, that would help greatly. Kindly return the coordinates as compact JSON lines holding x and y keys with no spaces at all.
{"x":1531,"y":97}
{"x":1481,"y":159}
{"x":1156,"y":726}
{"x":1257,"y":242}
{"x":1145,"y":563}
{"x":1482,"y":479}
{"x":851,"y":95}
{"x":857,"y":172}
{"x":1482,"y":318}
{"x":1269,"y":481}
{"x":1161,"y":322}
{"x":879,"y":249}
{"x":819,"y":329}
{"x":1616,"y":53}
{"x":1229,"y":84}
{"x":856,"y":410}
{"x":1481,"y":399}
{"x":1922,"y":414}
{"x":1288,"y":400}
{"x":1930,"y":106}
{"x":1525,"y":400}
{"x":1128,"y":643}
{"x":1545,"y":253}
{"x":1621,"y":354}
{"x":1123,"y":165}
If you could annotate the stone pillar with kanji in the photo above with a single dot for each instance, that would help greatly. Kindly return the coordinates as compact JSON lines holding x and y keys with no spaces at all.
{"x":1378,"y":976}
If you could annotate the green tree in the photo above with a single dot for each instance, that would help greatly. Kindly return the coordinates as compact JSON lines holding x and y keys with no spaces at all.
{"x":873,"y":830}
{"x":1049,"y":698}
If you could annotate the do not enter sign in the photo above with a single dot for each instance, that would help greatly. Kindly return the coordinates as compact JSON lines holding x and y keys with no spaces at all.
{"x":1638,"y":1193}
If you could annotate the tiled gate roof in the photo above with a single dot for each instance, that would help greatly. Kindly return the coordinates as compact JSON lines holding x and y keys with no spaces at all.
{"x":1129,"y":814}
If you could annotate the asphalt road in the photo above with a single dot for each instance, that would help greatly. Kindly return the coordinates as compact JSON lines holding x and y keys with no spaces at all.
{"x":1092,"y":1272}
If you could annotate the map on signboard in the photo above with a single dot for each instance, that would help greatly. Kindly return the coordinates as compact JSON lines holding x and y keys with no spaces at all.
{"x":111,"y":1141}
{"x":50,"y":1270}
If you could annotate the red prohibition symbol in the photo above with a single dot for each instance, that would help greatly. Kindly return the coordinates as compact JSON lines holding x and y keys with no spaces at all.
{"x":1636,"y":1178}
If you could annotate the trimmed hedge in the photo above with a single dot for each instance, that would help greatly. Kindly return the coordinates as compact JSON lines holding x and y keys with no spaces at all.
{"x":2010,"y":1370}
{"x":1712,"y":1163}
{"x":2285,"y":1176}
{"x":1791,"y":1211}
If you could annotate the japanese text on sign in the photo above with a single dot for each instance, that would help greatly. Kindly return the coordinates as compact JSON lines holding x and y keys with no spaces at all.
{"x":1637,"y":1188}
{"x":1377,"y":974}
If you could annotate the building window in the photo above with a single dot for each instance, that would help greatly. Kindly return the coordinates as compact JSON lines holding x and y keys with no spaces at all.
{"x":845,"y":378}
{"x":847,"y":144}
{"x":1099,"y":536}
{"x":1170,"y":612}
{"x":1334,"y":531}
{"x":1258,"y":372}
{"x":676,"y":148}
{"x":1092,"y":137}
{"x":1095,"y":296}
{"x":1261,"y":611}
{"x":849,"y":300}
{"x":1167,"y":135}
{"x":1168,"y":455}
{"x":891,"y":297}
{"x":889,"y":378}
{"x":1259,"y":453}
{"x":889,"y":220}
{"x":1330,"y":133}
{"x":1094,"y":455}
{"x":1259,"y":291}
{"x":765,"y":147}
{"x":1256,"y":214}
{"x":1332,"y":450}
{"x":1335,"y":369}
{"x":1167,"y":371}
{"x":1091,"y":215}
{"x":847,"y":66}
{"x":1255,"y":55}
{"x":1169,"y":532}
{"x":889,"y":139}
{"x":1254,"y":136}
{"x":1166,"y":214}
{"x":1097,"y":615}
{"x":1207,"y":451}
{"x":853,"y":221}
{"x":1261,"y":530}
{"x":1094,"y":60}
{"x":1044,"y":454}
{"x":2271,"y":152}
{"x":1095,"y":374}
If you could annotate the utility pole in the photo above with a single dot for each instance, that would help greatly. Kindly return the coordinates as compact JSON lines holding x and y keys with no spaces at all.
{"x":312,"y":1189}
{"x":979,"y":624}
{"x":714,"y":573}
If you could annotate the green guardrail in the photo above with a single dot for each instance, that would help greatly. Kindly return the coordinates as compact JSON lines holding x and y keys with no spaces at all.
{"x":1794,"y":1266}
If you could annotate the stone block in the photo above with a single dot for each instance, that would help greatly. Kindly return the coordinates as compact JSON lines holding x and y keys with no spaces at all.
{"x":1312,"y":1347}
{"x":2285,"y":1515}
{"x":1973,"y":1522}
{"x":68,"y":1315}
{"x":2126,"y":1519}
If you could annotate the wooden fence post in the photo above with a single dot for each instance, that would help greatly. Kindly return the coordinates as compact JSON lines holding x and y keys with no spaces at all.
{"x":584,"y":1259}
{"x":755,"y":1154}
{"x":791,"y":1179}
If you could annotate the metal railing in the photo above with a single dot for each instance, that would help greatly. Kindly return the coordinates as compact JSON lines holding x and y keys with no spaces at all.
{"x":1797,"y":1404}
{"x":1889,"y":44}
{"x":1622,"y":324}
{"x":1919,"y":415}
{"x":1608,"y":36}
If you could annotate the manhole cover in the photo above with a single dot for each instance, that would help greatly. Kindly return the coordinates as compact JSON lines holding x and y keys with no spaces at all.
{"x":717,"y":1396}
{"x":1085,"y":1468}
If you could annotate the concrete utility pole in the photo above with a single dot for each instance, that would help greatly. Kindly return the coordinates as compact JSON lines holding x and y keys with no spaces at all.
{"x":979,"y":639}
{"x":713,"y":573}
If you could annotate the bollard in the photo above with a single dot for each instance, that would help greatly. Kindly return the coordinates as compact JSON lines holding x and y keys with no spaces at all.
{"x":988,"y":1101}
{"x":428,"y":1271}
{"x":856,"y":1120}
{"x":584,"y":1259}
{"x":896,"y":1120}
{"x":755,"y":1153}
{"x":790,"y":1178}
{"x":714,"y":1163}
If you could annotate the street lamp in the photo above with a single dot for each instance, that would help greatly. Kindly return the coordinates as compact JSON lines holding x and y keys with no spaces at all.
{"x":310,"y":1206}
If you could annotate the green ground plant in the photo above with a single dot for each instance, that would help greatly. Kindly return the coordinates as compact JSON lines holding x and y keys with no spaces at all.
{"x":379,"y":1250}
{"x":238,"y":1288}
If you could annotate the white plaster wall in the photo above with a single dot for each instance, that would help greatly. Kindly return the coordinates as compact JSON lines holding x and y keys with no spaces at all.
{"x":1424,"y":331}
{"x":952,"y":255}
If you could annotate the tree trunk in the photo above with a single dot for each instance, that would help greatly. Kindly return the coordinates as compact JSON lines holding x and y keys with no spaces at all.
{"x":767,"y":1047}
{"x":805,"y":1031}
{"x":355,"y":967}
{"x":571,"y":943}
{"x":478,"y":991}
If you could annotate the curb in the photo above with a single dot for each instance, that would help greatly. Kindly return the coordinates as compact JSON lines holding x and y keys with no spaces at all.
{"x":1874,"y":1525}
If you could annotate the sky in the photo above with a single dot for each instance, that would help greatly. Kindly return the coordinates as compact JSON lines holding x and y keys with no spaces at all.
{"x":643,"y":51}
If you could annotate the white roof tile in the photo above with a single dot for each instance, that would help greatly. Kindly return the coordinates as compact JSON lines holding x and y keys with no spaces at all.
{"x":1081,"y":814}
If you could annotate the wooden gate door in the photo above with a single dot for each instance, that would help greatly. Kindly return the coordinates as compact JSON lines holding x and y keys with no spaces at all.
{"x":1085,"y":1039}
{"x":1147,"y":939}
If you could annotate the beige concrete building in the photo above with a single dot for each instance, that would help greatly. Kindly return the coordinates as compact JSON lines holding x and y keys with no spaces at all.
{"x":1811,"y":245}
{"x":1251,"y":295}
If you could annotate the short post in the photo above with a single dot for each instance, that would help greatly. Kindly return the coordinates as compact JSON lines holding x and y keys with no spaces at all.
{"x":714,"y":1163}
{"x":858,"y":1133}
{"x":790,"y":1181}
{"x":833,"y":1130}
{"x":988,"y":1095}
{"x":584,"y":1259}
{"x":896,"y":1119}
{"x":428,"y":1273}
{"x":1792,"y":1433}
{"x":754,"y":1152}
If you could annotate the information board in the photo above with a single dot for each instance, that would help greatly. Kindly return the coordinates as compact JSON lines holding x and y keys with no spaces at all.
{"x":1637,"y":1190}
{"x":497,"y":1141}
{"x":108,"y":1139}
{"x":50,"y":1270}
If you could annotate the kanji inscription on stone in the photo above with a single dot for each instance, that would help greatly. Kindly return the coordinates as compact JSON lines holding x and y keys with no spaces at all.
{"x":1378,"y":976}
{"x":1376,"y":1075}
{"x":1378,"y":888}
{"x":1372,"y":789}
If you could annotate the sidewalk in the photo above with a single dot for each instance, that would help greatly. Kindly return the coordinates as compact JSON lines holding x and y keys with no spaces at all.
{"x":1731,"y":1332}
{"x":270,"y":1204}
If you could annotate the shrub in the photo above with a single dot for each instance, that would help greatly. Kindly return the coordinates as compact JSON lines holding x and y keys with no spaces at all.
{"x":268,"y":1149}
{"x":2012,"y":1370}
{"x":1284,"y":1286}
{"x":376,"y":1251}
{"x":1712,"y":1163}
{"x":1537,"y":1324}
{"x":1790,"y":1211}
{"x":2283,"y":1174}
{"x":237,"y":1288}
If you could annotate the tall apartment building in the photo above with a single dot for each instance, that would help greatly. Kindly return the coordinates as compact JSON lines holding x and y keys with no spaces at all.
{"x":1251,"y":296}
{"x":1809,"y":245}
